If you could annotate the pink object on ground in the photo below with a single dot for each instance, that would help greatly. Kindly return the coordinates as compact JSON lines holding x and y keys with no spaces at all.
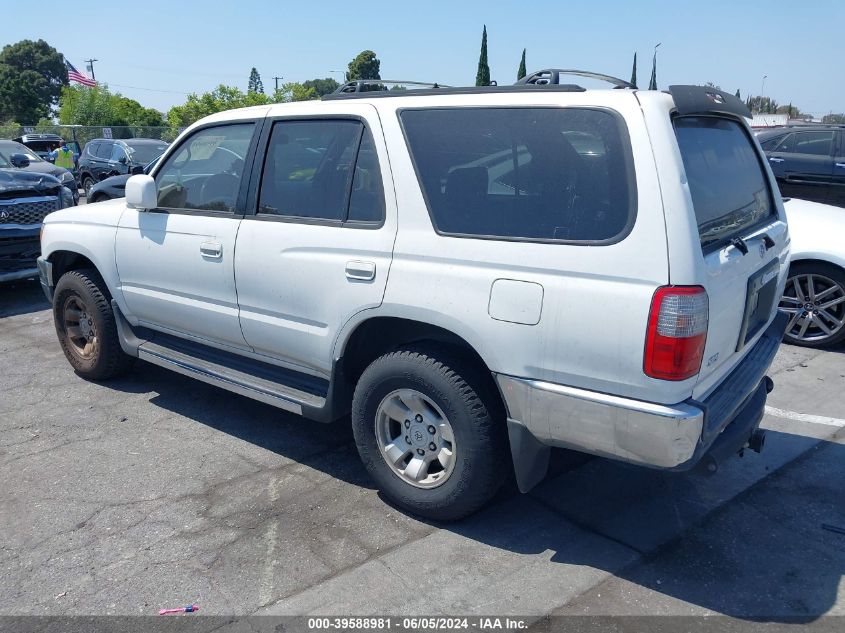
{"x":189,"y":609}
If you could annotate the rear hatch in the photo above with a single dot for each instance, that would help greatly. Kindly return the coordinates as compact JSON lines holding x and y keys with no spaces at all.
{"x":741,"y":233}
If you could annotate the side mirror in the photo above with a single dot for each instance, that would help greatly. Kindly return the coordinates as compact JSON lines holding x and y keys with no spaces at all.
{"x":137,"y":169}
{"x":19,"y":160}
{"x":141,"y":192}
{"x":122,"y":160}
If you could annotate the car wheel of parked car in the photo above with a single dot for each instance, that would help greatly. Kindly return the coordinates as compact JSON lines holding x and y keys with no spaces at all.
{"x":87,"y":183}
{"x":431,"y":432}
{"x":814,"y":298}
{"x":86,"y":326}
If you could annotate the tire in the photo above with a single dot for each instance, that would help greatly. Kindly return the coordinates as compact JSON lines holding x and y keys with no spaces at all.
{"x":86,"y":326}
{"x":447,"y":388}
{"x":828,"y":288}
{"x":87,"y":183}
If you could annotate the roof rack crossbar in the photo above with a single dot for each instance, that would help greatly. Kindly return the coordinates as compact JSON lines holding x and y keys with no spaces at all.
{"x":358,"y":85}
{"x":552,"y":76}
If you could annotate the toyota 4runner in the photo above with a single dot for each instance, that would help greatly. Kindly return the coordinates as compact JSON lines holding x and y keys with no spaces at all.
{"x":474,"y":274}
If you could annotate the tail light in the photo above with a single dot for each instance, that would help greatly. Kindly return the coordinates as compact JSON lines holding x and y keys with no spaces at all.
{"x":677,"y":331}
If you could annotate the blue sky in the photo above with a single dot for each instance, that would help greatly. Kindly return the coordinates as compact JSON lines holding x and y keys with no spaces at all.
{"x":164,"y":50}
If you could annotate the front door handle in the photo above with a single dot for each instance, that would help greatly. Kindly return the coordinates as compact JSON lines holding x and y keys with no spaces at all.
{"x":361,"y":271}
{"x":775,"y":160}
{"x":213,"y":250}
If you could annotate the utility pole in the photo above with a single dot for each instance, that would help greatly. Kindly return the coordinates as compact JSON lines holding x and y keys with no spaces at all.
{"x":342,"y":74}
{"x":277,"y":82}
{"x":90,"y":63}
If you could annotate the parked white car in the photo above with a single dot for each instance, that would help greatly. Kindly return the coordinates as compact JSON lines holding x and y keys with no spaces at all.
{"x":469,"y":272}
{"x":814,"y":296}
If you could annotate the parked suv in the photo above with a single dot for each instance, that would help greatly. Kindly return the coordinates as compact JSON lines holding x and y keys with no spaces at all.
{"x":474,"y":274}
{"x":104,"y":157}
{"x":808,"y":161}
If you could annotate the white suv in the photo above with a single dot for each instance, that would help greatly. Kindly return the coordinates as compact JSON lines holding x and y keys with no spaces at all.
{"x":475,"y":274}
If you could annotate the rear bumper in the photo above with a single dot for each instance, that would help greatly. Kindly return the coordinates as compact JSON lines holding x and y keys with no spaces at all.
{"x":662,"y":436}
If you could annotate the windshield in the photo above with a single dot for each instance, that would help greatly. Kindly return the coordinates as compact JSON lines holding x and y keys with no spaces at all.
{"x":7,"y":149}
{"x":729,"y":190}
{"x":143,"y":154}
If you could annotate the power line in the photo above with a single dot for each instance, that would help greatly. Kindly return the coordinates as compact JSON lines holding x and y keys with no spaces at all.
{"x":176,"y":92}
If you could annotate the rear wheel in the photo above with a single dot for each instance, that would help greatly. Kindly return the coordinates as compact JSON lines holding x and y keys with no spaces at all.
{"x":430,"y":432}
{"x":86,"y":327}
{"x":814,"y":299}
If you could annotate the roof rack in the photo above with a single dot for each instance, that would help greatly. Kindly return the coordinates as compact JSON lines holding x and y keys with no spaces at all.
{"x":551,"y":76}
{"x":359,"y":85}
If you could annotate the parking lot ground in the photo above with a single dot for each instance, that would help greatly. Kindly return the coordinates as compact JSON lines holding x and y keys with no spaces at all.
{"x":155,"y":490}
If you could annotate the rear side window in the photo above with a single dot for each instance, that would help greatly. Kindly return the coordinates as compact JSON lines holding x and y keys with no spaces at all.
{"x":524,"y":173}
{"x":729,"y":190}
{"x":818,"y":143}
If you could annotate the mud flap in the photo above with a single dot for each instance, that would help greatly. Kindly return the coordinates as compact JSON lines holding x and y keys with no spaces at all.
{"x":530,"y":456}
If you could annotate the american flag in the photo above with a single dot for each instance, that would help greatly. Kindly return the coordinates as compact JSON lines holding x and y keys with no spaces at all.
{"x":78,"y":77}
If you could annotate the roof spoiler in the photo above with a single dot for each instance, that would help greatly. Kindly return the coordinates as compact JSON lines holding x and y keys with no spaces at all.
{"x":705,"y":100}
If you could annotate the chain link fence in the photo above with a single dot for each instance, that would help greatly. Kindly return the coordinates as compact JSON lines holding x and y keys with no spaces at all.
{"x":84,"y":133}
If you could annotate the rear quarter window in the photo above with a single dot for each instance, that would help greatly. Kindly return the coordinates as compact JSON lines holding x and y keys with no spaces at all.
{"x":544,"y":174}
{"x":729,"y":189}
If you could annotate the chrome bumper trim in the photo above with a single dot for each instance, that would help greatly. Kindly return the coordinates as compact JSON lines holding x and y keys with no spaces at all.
{"x":611,"y":426}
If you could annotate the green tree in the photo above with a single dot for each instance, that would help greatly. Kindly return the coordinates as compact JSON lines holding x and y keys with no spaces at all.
{"x":482,"y":77}
{"x":765,"y":105}
{"x":521,"y":72}
{"x":31,"y":78}
{"x":293,"y":91}
{"x":365,"y":66}
{"x":652,"y":83}
{"x":634,"y":72}
{"x":322,"y":86}
{"x":220,"y":99}
{"x":255,"y":84}
{"x":833,"y":118}
{"x":80,"y":105}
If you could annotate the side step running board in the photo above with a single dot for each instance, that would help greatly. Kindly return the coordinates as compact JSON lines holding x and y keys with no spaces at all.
{"x":244,"y":383}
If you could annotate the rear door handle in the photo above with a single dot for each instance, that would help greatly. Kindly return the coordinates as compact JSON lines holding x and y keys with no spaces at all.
{"x":212,"y":250}
{"x":775,"y":160}
{"x":361,"y":271}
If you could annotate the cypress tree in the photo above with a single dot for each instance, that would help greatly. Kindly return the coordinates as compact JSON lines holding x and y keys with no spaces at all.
{"x":482,"y":77}
{"x":521,"y":72}
{"x":652,"y":84}
{"x":634,"y":72}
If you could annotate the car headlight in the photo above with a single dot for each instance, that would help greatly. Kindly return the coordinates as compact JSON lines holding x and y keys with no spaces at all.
{"x":67,"y":198}
{"x":66,"y":177}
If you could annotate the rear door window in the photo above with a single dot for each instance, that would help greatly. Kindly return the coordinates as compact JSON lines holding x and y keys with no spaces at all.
{"x":816,"y":143}
{"x":729,"y":189}
{"x":550,"y":174}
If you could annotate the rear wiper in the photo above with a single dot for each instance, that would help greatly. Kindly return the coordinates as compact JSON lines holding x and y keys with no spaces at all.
{"x":739,"y":244}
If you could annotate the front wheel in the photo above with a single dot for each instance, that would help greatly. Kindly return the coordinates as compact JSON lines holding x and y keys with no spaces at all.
{"x":430,"y":432}
{"x":814,"y":299}
{"x":87,"y":183}
{"x":85,"y":325}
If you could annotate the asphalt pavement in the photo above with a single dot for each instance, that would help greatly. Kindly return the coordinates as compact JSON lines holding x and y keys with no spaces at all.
{"x":155,"y":490}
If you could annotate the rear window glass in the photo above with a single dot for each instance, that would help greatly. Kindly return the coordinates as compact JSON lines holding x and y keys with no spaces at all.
{"x":729,"y":190}
{"x":524,"y":173}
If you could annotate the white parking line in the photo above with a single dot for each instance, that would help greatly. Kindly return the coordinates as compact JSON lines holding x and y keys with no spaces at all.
{"x":804,"y":417}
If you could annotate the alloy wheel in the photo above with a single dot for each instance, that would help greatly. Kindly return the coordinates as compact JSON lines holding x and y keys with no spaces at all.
{"x":816,"y":305}
{"x":415,"y":438}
